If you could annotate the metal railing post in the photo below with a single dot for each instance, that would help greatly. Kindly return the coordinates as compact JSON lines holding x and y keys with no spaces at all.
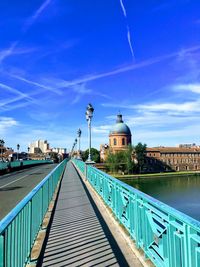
{"x":2,"y":251}
{"x":86,"y":172}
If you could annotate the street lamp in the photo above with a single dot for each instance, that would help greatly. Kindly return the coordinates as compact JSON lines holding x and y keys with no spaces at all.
{"x":28,"y":148}
{"x":18,"y":146}
{"x":75,"y":143}
{"x":2,"y":145}
{"x":89,"y":115}
{"x":72,"y":150}
{"x":79,"y":143}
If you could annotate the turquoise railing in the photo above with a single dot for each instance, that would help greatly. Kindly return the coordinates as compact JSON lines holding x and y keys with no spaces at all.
{"x":3,"y":165}
{"x":81,"y":166}
{"x":15,"y":164}
{"x":169,"y":238}
{"x":19,"y":229}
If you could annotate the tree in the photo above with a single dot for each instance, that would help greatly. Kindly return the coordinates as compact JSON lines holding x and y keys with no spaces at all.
{"x":115,"y":161}
{"x":95,"y":155}
{"x":140,"y":151}
{"x":129,"y":163}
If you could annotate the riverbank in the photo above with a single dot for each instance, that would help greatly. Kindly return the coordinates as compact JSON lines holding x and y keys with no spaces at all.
{"x":155,"y":175}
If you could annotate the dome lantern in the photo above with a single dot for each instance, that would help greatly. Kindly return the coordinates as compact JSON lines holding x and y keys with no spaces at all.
{"x":119,"y":118}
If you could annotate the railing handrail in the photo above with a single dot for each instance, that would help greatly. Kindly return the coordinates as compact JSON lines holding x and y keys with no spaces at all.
{"x":159,"y":204}
{"x":14,"y":212}
{"x":19,"y":163}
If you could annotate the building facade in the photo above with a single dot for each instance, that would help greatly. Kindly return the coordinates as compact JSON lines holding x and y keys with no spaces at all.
{"x":39,"y":146}
{"x":185,"y":157}
{"x":182,"y":158}
{"x":59,"y":150}
{"x":119,"y":139}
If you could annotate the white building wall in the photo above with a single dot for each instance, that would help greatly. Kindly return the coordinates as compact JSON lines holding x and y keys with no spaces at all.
{"x":43,"y":145}
{"x":59,"y":150}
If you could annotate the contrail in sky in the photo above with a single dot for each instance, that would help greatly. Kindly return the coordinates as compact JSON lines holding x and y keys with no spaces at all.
{"x":37,"y":13}
{"x":7,"y":52}
{"x":30,"y":21}
{"x":128,"y":30}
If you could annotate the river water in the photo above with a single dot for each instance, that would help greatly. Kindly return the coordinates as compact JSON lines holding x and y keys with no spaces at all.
{"x":182,"y":193}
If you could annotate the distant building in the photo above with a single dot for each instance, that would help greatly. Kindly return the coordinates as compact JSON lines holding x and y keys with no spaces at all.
{"x":59,"y":150}
{"x":182,"y":158}
{"x":185,"y":157}
{"x":6,"y":152}
{"x":39,"y":146}
{"x":119,"y":139}
{"x":187,"y":145}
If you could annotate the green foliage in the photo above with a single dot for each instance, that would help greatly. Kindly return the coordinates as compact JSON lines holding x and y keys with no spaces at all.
{"x":115,"y":161}
{"x":95,"y":155}
{"x":140,"y":151}
{"x":121,"y":161}
{"x":129,"y":163}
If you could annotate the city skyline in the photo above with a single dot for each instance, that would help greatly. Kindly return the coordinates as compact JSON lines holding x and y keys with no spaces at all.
{"x":141,"y":59}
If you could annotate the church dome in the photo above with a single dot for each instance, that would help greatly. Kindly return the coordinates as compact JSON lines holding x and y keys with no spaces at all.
{"x":120,"y":127}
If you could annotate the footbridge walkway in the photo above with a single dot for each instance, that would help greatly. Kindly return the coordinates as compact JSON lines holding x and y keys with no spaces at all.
{"x":80,"y":216}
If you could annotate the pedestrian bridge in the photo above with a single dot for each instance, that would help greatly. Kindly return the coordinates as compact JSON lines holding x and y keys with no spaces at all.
{"x":80,"y":216}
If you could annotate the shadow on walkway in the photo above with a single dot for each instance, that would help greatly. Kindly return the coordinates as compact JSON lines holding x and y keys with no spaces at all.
{"x":79,"y":235}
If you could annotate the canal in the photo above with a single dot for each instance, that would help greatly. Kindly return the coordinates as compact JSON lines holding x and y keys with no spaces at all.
{"x":180,"y":192}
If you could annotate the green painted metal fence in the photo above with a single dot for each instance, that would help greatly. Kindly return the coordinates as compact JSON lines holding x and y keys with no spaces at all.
{"x":20,"y":227}
{"x":3,"y":165}
{"x":15,"y":164}
{"x":169,"y":238}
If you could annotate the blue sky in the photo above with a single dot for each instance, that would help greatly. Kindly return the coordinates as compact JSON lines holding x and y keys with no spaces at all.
{"x":139,"y":57}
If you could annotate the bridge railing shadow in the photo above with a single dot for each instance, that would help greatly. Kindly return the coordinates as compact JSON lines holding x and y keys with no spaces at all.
{"x":78,"y":234}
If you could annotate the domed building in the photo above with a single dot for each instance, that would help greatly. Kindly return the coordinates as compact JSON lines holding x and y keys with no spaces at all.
{"x":185,"y":157}
{"x":120,"y":135}
{"x":119,"y":138}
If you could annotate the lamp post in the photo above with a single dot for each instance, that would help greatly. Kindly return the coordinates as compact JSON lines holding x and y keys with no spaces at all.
{"x":75,"y":143}
{"x":2,"y":145}
{"x":28,"y":148}
{"x":89,"y":115}
{"x":72,"y":149}
{"x":79,"y":143}
{"x":18,"y":146}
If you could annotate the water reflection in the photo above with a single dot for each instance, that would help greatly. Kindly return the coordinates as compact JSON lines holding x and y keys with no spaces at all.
{"x":182,"y":193}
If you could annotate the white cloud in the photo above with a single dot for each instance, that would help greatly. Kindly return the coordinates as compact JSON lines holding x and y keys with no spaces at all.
{"x":118,"y":105}
{"x":195,"y":88}
{"x":170,"y":137}
{"x":104,"y":129}
{"x":7,"y":123}
{"x":193,"y":106}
